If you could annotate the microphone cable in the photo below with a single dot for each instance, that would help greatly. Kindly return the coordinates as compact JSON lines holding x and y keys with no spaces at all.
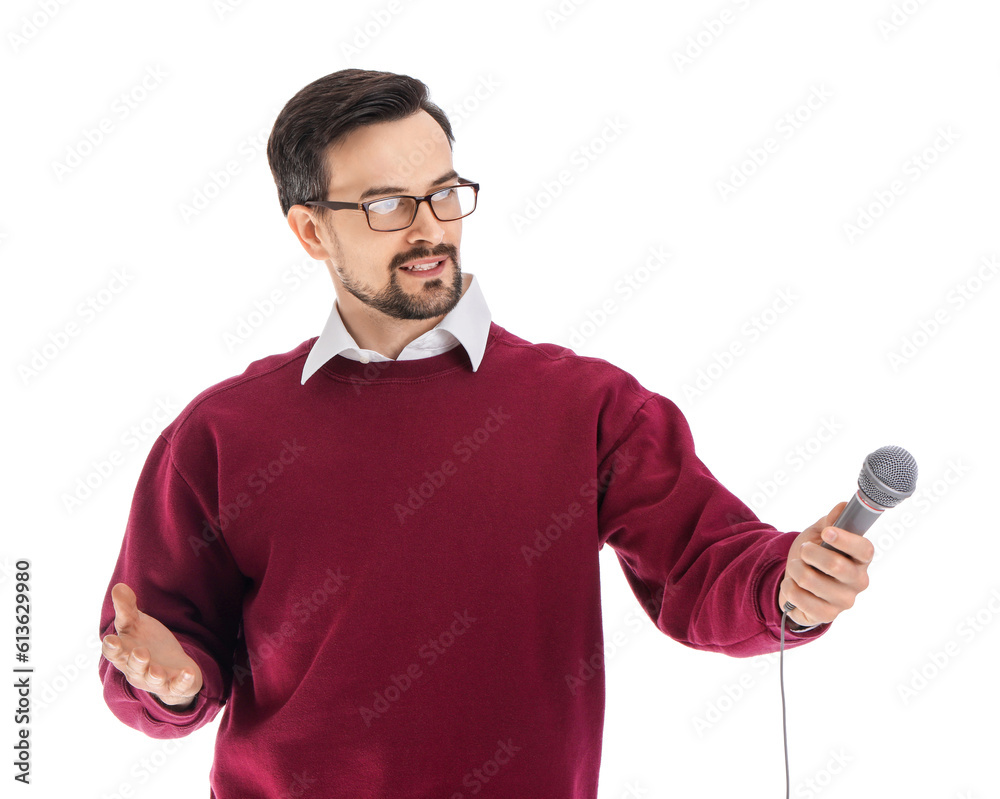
{"x":781,"y":671}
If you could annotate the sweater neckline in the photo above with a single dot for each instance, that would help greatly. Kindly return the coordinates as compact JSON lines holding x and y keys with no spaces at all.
{"x":340,"y":367}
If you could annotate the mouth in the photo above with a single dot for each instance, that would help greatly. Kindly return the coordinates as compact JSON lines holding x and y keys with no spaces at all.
{"x":428,"y":267}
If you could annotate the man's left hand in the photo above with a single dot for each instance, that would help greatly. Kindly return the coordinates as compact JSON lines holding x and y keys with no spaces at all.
{"x":822,"y":583}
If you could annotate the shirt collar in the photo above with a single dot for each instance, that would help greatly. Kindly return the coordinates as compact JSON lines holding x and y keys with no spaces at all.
{"x":468,"y":323}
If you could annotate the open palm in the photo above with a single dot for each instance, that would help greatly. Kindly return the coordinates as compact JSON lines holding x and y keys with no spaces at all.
{"x":148,"y":654}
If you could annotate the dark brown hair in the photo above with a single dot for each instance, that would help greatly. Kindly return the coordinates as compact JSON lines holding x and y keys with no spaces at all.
{"x":326,"y":111}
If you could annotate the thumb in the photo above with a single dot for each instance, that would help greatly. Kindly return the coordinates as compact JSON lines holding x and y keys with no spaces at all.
{"x":833,"y":515}
{"x":825,"y":521}
{"x":126,"y":610}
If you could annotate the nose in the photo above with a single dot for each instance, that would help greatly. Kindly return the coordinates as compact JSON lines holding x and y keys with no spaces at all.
{"x":426,"y":226}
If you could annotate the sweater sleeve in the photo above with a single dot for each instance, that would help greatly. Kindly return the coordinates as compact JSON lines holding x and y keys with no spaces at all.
{"x":183,"y":575}
{"x":702,"y":565}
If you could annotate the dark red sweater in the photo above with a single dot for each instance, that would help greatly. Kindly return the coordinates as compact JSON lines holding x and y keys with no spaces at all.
{"x":389,"y":575}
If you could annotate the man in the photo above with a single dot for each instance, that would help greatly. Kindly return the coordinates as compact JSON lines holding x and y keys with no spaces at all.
{"x":379,"y":551}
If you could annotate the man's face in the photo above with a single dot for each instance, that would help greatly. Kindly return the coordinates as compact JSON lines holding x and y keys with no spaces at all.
{"x":410,"y":156}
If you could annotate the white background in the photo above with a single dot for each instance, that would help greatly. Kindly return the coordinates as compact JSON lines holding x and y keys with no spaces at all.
{"x":848,"y":354}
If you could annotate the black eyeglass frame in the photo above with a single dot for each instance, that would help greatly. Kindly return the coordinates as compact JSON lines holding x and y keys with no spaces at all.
{"x":342,"y":206}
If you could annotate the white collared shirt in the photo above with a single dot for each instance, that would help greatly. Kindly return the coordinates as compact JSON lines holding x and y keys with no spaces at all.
{"x":468,"y":324}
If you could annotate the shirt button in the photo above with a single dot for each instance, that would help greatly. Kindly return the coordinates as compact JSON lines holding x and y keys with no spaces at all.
{"x":365,"y":358}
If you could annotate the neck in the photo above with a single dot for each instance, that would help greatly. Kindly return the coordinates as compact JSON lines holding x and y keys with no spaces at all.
{"x":373,"y":330}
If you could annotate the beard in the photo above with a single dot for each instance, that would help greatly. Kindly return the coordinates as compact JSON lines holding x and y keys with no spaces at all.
{"x":425,"y":299}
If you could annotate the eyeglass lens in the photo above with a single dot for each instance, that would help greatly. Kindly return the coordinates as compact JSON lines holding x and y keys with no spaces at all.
{"x":397,"y":212}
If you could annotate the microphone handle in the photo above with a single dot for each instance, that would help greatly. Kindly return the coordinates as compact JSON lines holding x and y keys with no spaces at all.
{"x":858,"y":516}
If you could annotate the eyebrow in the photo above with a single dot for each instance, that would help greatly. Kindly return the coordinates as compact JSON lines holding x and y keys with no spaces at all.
{"x":376,"y":190}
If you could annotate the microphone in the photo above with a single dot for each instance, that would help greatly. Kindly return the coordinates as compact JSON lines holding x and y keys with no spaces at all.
{"x":888,"y":476}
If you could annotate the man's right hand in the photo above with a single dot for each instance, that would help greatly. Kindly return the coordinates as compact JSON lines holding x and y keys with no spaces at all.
{"x":148,"y":654}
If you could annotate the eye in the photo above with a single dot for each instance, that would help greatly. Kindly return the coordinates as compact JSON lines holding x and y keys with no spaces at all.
{"x":384,"y":206}
{"x":442,"y":195}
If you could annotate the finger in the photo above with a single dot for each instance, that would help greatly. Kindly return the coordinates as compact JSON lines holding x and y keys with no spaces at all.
{"x":805,"y":605}
{"x":112,"y":649}
{"x":164,"y":685}
{"x":831,"y":517}
{"x":156,"y":679}
{"x":137,"y":664}
{"x":851,"y":544}
{"x":808,"y":608}
{"x":787,"y":605}
{"x":837,"y":565}
{"x":812,"y":608}
{"x":181,"y":685}
{"x":833,"y":593}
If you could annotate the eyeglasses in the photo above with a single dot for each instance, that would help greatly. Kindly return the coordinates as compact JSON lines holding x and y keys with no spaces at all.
{"x":397,"y":213}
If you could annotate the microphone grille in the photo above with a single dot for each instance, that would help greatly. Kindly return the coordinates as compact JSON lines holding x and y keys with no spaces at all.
{"x":888,"y":476}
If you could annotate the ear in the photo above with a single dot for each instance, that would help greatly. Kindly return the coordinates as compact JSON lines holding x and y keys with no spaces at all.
{"x":303,"y":225}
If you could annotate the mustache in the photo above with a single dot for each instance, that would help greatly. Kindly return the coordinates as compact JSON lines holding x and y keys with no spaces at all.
{"x":449,"y":250}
